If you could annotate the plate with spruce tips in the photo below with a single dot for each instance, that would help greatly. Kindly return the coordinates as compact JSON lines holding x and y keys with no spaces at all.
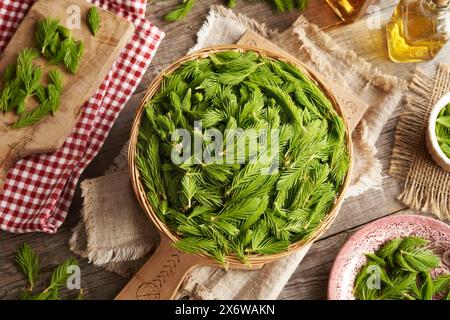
{"x":402,"y":257}
{"x":266,"y":179}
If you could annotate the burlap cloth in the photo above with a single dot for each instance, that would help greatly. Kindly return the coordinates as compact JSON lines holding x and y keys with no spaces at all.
{"x":114,"y":232}
{"x":427,"y":186}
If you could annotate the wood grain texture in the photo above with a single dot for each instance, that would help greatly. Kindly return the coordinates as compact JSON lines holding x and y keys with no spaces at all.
{"x":100,"y":53}
{"x":310,"y":279}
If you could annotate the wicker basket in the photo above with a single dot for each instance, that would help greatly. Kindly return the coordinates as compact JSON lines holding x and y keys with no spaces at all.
{"x":254,"y":260}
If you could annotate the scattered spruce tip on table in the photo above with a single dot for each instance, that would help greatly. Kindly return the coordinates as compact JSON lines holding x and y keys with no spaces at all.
{"x":443,"y":130}
{"x":21,"y":82}
{"x":220,"y":209}
{"x":279,"y":5}
{"x":28,"y":262}
{"x":404,"y":267}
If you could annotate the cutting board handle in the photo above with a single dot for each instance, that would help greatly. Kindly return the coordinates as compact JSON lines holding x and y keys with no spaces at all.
{"x":162,"y":275}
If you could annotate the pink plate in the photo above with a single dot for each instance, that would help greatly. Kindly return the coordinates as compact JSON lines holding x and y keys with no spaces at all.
{"x":370,"y":238}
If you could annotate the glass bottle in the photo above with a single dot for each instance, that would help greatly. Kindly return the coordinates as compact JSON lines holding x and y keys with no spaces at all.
{"x":418,"y":30}
{"x":349,"y":10}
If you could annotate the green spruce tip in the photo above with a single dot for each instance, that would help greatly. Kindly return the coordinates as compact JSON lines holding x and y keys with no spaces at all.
{"x":73,"y":55}
{"x":231,"y":3}
{"x":60,"y":275}
{"x":46,"y":30}
{"x":94,"y":20}
{"x":441,"y":285}
{"x":222,"y":209}
{"x":20,"y":81}
{"x":57,"y":44}
{"x":180,"y":12}
{"x":58,"y":281}
{"x":49,"y":102}
{"x":28,"y":263}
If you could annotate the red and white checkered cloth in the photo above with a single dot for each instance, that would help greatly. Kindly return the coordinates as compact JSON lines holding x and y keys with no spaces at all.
{"x":38,"y":190}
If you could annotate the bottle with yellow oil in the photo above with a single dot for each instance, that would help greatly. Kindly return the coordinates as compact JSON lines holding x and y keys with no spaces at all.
{"x":418,"y":30}
{"x":349,"y":10}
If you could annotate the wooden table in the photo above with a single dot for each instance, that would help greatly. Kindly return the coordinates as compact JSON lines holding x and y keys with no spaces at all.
{"x":310,"y":279}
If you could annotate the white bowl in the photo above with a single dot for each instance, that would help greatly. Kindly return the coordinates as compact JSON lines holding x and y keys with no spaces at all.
{"x":432,"y":144}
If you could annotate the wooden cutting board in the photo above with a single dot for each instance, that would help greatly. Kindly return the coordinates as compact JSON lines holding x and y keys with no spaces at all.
{"x":352,"y":106}
{"x":100,"y":54}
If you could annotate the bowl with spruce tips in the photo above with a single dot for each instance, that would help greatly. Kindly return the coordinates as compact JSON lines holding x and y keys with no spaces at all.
{"x":438,"y":133}
{"x":232,"y":205}
{"x":400,"y":257}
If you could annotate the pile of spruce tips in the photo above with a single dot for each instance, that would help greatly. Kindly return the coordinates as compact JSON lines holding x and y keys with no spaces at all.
{"x":23,"y":81}
{"x":220,"y":209}
{"x":402,"y":270}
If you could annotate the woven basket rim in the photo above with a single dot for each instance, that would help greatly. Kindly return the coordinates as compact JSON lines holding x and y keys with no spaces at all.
{"x":232,"y":261}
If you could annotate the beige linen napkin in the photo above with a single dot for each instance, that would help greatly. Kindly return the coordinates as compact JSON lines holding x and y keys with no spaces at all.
{"x":427,"y":186}
{"x":114,"y":232}
{"x":305,"y":41}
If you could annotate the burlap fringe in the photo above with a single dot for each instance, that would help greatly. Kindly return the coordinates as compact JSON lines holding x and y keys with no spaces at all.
{"x":371,"y":179}
{"x":409,"y":145}
{"x":426,"y":199}
{"x":103,"y":255}
{"x":78,"y":245}
{"x":408,"y":141}
{"x":251,"y":24}
{"x":218,"y":12}
{"x":77,"y":242}
{"x":372,"y":74}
